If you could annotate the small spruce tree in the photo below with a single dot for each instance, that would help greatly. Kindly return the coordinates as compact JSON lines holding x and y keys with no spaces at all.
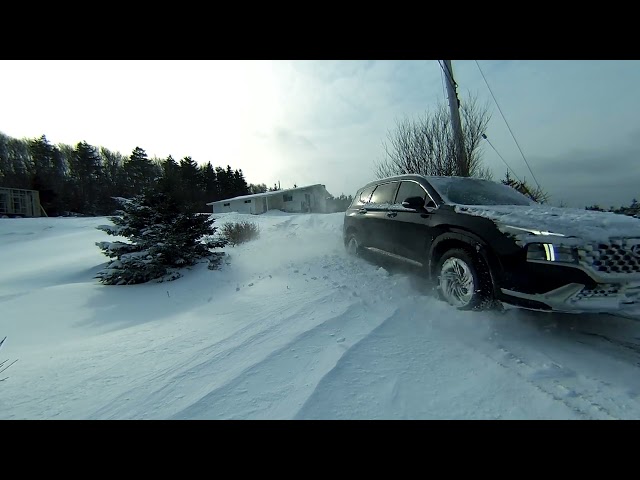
{"x":536,"y":194}
{"x":163,"y":238}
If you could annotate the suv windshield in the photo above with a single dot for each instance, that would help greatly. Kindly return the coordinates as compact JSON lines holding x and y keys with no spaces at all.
{"x":474,"y":191}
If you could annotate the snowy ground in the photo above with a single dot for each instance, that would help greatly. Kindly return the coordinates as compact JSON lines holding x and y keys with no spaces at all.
{"x":289,"y":328}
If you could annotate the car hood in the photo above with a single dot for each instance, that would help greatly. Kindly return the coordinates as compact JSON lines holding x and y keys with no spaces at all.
{"x":586,"y":225}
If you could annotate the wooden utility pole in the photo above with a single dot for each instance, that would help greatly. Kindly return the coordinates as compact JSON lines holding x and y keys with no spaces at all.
{"x":454,"y":104}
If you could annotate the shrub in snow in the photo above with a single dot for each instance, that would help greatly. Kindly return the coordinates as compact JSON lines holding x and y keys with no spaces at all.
{"x":239,"y":232}
{"x":162,"y":239}
{"x":2,"y":363}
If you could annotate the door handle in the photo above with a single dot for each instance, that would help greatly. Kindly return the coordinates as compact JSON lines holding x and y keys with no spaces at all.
{"x":392,"y":214}
{"x":362,"y":210}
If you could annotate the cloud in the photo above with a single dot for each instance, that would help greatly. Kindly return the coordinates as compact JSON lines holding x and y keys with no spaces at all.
{"x":292,"y":142}
{"x":606,"y":176}
{"x":576,"y":122}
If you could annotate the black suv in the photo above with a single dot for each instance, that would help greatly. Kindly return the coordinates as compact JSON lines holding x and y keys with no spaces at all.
{"x":482,"y":244}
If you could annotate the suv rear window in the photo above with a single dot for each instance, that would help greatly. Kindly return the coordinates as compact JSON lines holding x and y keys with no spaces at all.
{"x":384,"y":193}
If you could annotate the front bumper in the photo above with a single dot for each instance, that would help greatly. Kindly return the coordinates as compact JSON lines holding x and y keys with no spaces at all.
{"x":580,"y":298}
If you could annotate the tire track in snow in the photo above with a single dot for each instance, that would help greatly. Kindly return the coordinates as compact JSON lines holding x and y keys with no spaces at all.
{"x":210,"y":363}
{"x":230,"y":354}
{"x":349,"y":296}
{"x":171,"y":358}
{"x":324,"y":384}
{"x":261,"y":392}
{"x":553,"y":358}
{"x":561,"y":384}
{"x":625,"y":350}
{"x":409,"y":367}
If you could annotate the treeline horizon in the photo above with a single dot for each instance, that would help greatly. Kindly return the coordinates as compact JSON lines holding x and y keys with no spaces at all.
{"x":84,"y":179}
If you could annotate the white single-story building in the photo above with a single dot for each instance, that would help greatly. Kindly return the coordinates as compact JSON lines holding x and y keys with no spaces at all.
{"x":312,"y":198}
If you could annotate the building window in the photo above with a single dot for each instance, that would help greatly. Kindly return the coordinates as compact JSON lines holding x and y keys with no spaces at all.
{"x":287,"y":198}
{"x":226,"y":204}
{"x":20,"y":202}
{"x":247,"y":201}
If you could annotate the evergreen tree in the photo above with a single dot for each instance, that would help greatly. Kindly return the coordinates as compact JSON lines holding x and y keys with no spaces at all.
{"x":113,"y":168}
{"x":46,"y":174}
{"x":209,"y":183}
{"x":85,"y":169}
{"x":338,"y":204}
{"x":259,"y":188}
{"x":190,"y":184}
{"x":239,"y":184}
{"x":16,"y":164}
{"x":162,"y":239}
{"x":5,"y":166}
{"x":224,"y":184}
{"x":41,"y":156}
{"x":169,"y":181}
{"x":595,"y":208}
{"x":535,"y":194}
{"x":140,"y":172}
{"x":189,"y":173}
{"x":230,"y":183}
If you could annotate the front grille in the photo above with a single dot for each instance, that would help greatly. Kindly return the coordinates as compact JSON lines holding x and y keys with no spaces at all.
{"x":626,"y":295}
{"x":616,"y":256}
{"x":600,"y":291}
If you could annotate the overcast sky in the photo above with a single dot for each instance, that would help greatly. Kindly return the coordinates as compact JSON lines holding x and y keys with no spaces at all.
{"x":306,"y":122}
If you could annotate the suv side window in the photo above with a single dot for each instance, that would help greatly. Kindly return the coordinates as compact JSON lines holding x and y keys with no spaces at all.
{"x":365,"y":195}
{"x":384,"y":193}
{"x":410,"y":189}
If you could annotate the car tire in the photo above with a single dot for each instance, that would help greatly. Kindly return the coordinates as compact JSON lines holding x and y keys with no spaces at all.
{"x":353,"y":245}
{"x":463,"y":280}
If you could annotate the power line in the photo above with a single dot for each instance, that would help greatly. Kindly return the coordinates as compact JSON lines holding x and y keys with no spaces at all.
{"x":505,"y":121}
{"x":501,"y":157}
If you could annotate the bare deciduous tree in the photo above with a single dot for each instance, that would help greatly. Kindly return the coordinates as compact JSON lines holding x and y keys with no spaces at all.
{"x":2,"y":363}
{"x":426,"y":145}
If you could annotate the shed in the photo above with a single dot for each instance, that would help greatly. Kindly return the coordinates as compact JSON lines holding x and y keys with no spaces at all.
{"x":18,"y":202}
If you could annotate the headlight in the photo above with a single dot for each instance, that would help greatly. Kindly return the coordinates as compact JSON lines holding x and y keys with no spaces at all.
{"x":520,"y":231}
{"x":552,"y":253}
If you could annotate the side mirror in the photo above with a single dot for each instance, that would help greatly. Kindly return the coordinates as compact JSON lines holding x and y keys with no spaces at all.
{"x":414,"y":203}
